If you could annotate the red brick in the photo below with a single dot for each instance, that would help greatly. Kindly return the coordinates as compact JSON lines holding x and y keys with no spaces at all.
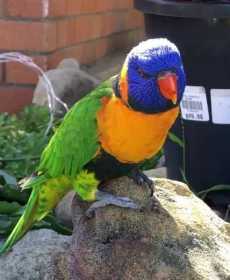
{"x":2,"y":8}
{"x":102,"y":47}
{"x":85,"y":53}
{"x":1,"y":72}
{"x":58,"y":8}
{"x":50,"y":35}
{"x":122,"y":4}
{"x":113,"y":23}
{"x":118,"y":41}
{"x":33,"y":36}
{"x":62,"y":8}
{"x":13,"y":99}
{"x":76,"y":7}
{"x":36,"y":8}
{"x":89,"y":27}
{"x":90,"y":51}
{"x":86,"y":6}
{"x":104,"y":5}
{"x":22,"y":74}
{"x":134,"y":19}
{"x":26,"y":8}
{"x":71,"y":31}
{"x":66,"y":32}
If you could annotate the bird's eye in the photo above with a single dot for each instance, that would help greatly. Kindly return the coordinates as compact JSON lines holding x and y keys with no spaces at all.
{"x":143,"y":74}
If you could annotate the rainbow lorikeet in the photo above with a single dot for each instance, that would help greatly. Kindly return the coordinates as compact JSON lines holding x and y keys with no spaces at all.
{"x":108,"y":133}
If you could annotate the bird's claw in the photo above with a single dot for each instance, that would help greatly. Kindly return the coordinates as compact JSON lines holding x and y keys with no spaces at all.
{"x":104,"y":199}
{"x":141,"y":179}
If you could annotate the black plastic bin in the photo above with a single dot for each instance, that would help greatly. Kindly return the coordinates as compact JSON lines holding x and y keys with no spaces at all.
{"x":202,"y":33}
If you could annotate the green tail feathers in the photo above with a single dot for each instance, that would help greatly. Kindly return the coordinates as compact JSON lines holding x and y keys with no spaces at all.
{"x":24,"y":223}
{"x":45,"y":195}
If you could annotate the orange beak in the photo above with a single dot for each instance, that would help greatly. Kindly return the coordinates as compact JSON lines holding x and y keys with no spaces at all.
{"x":168,"y":86}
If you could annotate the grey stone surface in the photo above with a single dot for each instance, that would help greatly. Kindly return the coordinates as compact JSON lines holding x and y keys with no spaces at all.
{"x":181,"y":239}
{"x":64,"y":210}
{"x":70,"y":84}
{"x":40,"y":255}
{"x":160,"y":172}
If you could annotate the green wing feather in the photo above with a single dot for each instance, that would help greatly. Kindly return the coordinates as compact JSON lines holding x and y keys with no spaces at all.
{"x":73,"y":145}
{"x":76,"y":140}
{"x":24,"y":223}
{"x":44,"y":197}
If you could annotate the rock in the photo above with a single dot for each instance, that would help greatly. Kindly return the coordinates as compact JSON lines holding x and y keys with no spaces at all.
{"x":160,"y":172}
{"x":69,"y":63}
{"x":182,"y":239}
{"x":64,"y":210}
{"x":40,"y":255}
{"x":70,"y":84}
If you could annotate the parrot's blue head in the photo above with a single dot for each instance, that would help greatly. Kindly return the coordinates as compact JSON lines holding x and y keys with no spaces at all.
{"x":152,"y":78}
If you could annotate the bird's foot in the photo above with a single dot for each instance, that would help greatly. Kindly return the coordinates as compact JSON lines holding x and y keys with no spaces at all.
{"x":141,"y":179}
{"x":104,"y":199}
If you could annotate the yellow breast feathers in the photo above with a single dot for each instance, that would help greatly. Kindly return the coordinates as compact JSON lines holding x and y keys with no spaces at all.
{"x":130,"y":136}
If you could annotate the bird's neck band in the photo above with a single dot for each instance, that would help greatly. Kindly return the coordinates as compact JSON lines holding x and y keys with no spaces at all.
{"x":123,"y":84}
{"x":115,"y":85}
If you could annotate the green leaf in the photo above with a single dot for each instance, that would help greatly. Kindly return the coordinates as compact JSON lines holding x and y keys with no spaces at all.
{"x":7,"y":208}
{"x":6,"y":224}
{"x":215,"y":188}
{"x":176,"y":139}
{"x":21,"y":142}
{"x":9,"y":180}
{"x":13,"y":194}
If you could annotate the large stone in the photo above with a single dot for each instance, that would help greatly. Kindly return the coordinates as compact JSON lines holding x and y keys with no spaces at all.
{"x":160,"y":172}
{"x":69,"y":82}
{"x":40,"y":255}
{"x":64,"y":210}
{"x":182,"y":239}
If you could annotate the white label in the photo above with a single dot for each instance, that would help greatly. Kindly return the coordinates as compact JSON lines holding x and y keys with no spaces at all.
{"x":194,"y":105}
{"x":220,"y":104}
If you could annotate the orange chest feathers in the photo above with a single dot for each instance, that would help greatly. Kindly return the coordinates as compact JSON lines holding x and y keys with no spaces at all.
{"x":130,"y":136}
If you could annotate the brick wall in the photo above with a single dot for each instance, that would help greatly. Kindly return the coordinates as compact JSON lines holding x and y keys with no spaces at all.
{"x":50,"y":30}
